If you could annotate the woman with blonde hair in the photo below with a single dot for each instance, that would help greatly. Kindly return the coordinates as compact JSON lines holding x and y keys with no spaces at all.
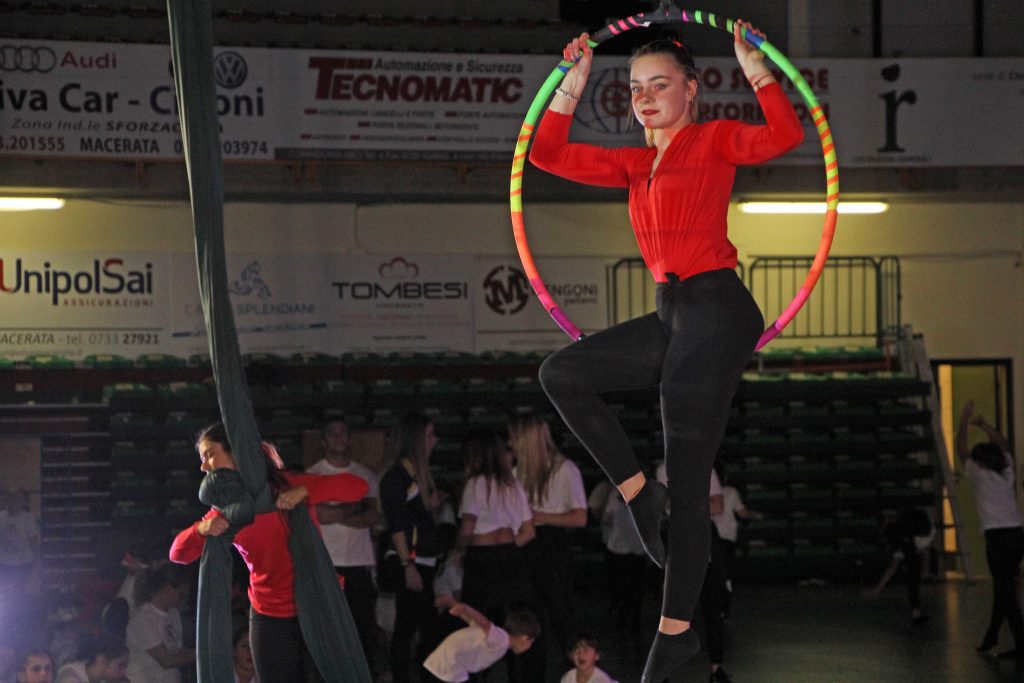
{"x":554,"y":489}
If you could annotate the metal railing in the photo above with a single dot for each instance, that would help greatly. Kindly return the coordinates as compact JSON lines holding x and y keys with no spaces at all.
{"x":856,"y":298}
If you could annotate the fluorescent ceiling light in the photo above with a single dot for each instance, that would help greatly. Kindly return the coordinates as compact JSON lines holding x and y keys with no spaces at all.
{"x":30,"y":203}
{"x":812,"y":207}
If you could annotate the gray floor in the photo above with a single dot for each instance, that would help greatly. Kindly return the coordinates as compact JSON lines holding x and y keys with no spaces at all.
{"x":816,"y":634}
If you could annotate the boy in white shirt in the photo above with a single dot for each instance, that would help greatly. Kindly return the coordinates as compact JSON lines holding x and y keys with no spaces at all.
{"x":476,"y":647}
{"x":584,"y":652}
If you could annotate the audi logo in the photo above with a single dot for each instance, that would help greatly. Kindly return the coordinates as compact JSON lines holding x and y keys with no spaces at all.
{"x":27,"y":59}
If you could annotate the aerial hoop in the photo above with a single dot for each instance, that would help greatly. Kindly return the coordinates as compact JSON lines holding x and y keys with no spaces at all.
{"x":667,"y":13}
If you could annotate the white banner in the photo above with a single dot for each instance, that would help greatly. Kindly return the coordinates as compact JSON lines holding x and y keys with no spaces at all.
{"x":509,"y":317}
{"x":116,"y":101}
{"x":73,"y":304}
{"x":401,"y":303}
{"x":279,"y":303}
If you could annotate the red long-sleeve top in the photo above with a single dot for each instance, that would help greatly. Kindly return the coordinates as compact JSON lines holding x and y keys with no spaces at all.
{"x":679,"y":212}
{"x":264,"y":543}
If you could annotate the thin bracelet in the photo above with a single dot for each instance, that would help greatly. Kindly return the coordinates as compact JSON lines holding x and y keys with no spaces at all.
{"x":566,"y":93}
{"x":756,"y":84}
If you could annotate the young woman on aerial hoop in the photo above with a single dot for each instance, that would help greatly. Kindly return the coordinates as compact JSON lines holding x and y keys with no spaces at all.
{"x":699,"y":341}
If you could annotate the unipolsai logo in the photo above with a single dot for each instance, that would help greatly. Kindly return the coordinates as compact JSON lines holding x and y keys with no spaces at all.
{"x":506,"y":290}
{"x":609,"y":108}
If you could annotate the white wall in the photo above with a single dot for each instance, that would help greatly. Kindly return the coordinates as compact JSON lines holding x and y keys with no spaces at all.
{"x":963,"y":280}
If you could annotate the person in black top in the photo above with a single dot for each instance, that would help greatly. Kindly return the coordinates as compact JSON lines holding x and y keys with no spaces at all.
{"x":410,"y":501}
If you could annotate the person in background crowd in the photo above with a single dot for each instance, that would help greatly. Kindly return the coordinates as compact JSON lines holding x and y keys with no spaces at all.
{"x":908,"y":538}
{"x":278,"y":647}
{"x":36,"y":667}
{"x":154,"y":635}
{"x":627,"y":563}
{"x":728,"y":531}
{"x":346,"y":532}
{"x":992,"y":468}
{"x":475,"y":648}
{"x":245,"y":670}
{"x":19,"y":543}
{"x":496,"y":522}
{"x":8,"y":661}
{"x":410,"y":502}
{"x":585,"y":652}
{"x":105,"y":660}
{"x":698,"y":342}
{"x":554,"y":489}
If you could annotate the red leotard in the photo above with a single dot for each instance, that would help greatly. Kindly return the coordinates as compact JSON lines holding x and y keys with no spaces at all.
{"x":264,"y":543}
{"x":679,"y":214}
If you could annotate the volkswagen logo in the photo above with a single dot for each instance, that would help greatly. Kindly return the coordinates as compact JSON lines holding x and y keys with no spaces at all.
{"x":27,"y":59}
{"x":506,"y":290}
{"x":230,"y":70}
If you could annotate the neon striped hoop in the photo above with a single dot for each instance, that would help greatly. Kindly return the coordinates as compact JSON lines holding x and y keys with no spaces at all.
{"x":667,"y":13}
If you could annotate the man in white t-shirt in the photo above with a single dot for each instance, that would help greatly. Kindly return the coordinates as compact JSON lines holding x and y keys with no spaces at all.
{"x":478,"y":646}
{"x":346,"y":530}
{"x":19,"y":543}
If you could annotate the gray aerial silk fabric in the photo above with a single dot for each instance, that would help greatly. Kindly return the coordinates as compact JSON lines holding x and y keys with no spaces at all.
{"x":324,"y":616}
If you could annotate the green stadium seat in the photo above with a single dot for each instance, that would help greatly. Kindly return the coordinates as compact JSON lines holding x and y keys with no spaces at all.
{"x":362,"y":358}
{"x":263,"y":359}
{"x":800,"y":491}
{"x":128,"y":391}
{"x":283,"y":419}
{"x":159,"y":360}
{"x":199,"y":360}
{"x":182,"y":390}
{"x":768,"y":524}
{"x":765,"y":549}
{"x":313,"y":358}
{"x":482,"y":385}
{"x":805,"y":522}
{"x":293,"y":389}
{"x":440,"y":389}
{"x":183,"y":420}
{"x":762,"y":492}
{"x":343,"y":387}
{"x":391,"y":387}
{"x":43,"y":361}
{"x":805,"y":547}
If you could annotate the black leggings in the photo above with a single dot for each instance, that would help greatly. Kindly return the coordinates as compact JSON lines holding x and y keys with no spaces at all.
{"x":278,"y":651}
{"x":1004,"y":550}
{"x":696,"y":347}
{"x":414,"y":613}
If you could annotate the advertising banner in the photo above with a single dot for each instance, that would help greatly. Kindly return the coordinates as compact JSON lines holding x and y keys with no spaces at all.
{"x":73,"y":304}
{"x":509,"y":317}
{"x":279,"y":301}
{"x":116,"y":101}
{"x":385,"y":304}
